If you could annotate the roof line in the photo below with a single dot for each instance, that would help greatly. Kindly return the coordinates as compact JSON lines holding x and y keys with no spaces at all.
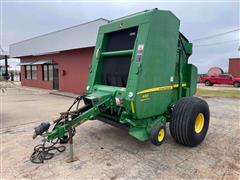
{"x":235,"y":58}
{"x":60,"y":30}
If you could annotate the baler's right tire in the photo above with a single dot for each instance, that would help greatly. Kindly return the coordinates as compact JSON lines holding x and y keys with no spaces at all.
{"x":189,"y":121}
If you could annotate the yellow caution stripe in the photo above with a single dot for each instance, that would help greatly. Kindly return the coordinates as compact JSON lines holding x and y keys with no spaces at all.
{"x":161,"y":88}
{"x":132,"y":106}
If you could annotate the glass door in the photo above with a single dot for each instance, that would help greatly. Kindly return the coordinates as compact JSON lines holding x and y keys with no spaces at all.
{"x":55,"y":77}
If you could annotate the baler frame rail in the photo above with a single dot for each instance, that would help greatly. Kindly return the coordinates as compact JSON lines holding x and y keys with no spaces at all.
{"x":64,"y":124}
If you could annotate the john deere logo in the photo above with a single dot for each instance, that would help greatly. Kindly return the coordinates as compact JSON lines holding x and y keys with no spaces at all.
{"x":120,"y":25}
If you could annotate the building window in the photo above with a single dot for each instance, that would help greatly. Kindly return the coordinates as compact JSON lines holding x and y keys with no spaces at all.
{"x":31,"y":72}
{"x":28,"y":72}
{"x":50,"y":72}
{"x":47,"y":72}
{"x":34,"y":72}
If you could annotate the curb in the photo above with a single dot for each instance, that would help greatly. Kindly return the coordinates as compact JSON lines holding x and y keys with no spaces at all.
{"x":53,"y":92}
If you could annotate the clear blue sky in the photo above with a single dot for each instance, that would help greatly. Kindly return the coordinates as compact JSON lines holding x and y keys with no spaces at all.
{"x":23,"y":20}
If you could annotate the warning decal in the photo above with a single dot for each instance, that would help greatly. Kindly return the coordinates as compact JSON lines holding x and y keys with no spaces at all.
{"x":139,"y":52}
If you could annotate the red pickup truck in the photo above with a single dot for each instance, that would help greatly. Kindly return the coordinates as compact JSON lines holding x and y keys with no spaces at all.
{"x":221,"y":79}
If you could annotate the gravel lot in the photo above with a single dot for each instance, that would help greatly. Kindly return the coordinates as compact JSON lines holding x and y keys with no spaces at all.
{"x":105,"y":152}
{"x":218,"y":87}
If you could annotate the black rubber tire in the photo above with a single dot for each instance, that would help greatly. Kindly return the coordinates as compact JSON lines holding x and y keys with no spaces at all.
{"x":236,"y":84}
{"x":155,"y":132}
{"x":182,"y":123}
{"x":208,"y":83}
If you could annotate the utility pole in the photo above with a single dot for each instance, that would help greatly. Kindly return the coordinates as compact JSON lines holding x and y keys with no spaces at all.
{"x":6,"y":76}
{"x":6,"y":67}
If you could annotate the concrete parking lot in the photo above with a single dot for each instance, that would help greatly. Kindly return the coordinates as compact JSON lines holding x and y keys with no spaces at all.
{"x":105,"y":152}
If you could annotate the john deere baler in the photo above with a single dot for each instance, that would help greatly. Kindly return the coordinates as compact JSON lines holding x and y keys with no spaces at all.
{"x":140,"y":79}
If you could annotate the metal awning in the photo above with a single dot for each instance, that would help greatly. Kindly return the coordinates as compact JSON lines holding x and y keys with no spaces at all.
{"x":35,"y":62}
{"x":42,"y":62}
{"x":3,"y":56}
{"x":25,"y":63}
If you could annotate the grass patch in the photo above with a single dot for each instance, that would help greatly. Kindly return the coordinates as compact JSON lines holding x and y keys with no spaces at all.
{"x":218,"y":93}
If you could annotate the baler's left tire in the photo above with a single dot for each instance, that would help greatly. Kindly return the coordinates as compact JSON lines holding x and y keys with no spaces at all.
{"x":189,"y":121}
{"x":158,"y":134}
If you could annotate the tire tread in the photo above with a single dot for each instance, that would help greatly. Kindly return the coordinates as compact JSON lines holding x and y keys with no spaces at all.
{"x":182,"y":117}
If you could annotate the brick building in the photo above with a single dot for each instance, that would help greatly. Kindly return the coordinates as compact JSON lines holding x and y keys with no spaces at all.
{"x":59,"y":60}
{"x":234,"y":67}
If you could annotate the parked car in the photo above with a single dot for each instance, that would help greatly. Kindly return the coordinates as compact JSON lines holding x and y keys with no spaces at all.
{"x":221,"y":79}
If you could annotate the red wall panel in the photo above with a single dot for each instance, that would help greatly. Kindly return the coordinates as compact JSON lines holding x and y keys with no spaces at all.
{"x":75,"y":64}
{"x":234,"y":67}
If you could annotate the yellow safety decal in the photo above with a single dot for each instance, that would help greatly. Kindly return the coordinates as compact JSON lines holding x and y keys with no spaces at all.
{"x":162,"y":88}
{"x":132,"y":106}
{"x":177,"y":85}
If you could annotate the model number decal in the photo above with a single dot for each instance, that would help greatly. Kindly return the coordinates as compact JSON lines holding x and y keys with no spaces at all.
{"x":145,"y":97}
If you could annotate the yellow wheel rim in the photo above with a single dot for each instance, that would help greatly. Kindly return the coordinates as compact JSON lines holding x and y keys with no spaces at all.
{"x":199,"y":123}
{"x":161,"y":135}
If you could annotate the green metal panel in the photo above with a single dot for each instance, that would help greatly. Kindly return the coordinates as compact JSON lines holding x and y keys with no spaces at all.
{"x":158,"y":64}
{"x":191,"y":79}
